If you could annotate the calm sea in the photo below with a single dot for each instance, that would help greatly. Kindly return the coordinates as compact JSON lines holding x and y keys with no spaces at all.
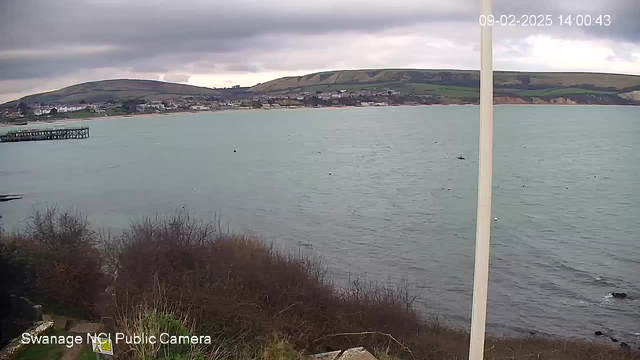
{"x":380,"y":193}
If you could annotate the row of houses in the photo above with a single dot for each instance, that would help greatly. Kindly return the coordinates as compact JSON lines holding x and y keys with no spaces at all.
{"x":44,"y":110}
{"x":329,"y":95}
{"x":370,"y":103}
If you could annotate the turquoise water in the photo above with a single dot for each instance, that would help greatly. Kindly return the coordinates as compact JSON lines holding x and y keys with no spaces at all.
{"x":378,"y":192}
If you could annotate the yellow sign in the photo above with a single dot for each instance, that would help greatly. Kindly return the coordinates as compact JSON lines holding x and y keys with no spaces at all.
{"x":102,"y":345}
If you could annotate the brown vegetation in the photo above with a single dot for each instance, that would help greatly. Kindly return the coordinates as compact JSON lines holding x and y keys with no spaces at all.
{"x":55,"y":261}
{"x":256,"y":301}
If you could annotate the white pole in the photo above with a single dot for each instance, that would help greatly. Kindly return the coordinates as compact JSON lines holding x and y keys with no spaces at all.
{"x":483,"y":221}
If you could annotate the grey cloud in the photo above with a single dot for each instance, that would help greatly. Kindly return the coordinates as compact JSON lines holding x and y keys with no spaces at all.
{"x":201,"y":36}
{"x":28,"y":67}
{"x":144,"y":36}
{"x":185,"y":24}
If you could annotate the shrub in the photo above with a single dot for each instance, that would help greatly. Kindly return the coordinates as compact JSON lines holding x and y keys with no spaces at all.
{"x":244,"y":287}
{"x":59,"y":264}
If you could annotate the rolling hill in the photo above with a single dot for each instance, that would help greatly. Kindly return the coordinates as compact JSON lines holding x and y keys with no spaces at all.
{"x":117,"y":91}
{"x":445,"y":86}
{"x":465,"y":84}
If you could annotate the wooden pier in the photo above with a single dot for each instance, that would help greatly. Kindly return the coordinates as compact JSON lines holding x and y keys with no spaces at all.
{"x":45,"y":134}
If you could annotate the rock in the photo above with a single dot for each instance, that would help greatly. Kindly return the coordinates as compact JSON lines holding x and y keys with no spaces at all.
{"x":325,"y":356}
{"x":598,"y":333}
{"x":619,"y":295}
{"x":614,"y":339}
{"x":624,"y":345}
{"x":358,"y":353}
{"x":329,"y":172}
{"x":460,"y":158}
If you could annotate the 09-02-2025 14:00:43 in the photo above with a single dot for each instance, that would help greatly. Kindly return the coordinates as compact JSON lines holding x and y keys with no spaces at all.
{"x":600,"y":20}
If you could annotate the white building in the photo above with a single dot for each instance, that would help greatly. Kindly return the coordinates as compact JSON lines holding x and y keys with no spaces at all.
{"x":70,"y":108}
{"x":41,"y":111}
{"x":199,"y":107}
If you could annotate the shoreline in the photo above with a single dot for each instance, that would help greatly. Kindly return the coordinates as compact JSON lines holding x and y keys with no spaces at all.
{"x":191,"y":112}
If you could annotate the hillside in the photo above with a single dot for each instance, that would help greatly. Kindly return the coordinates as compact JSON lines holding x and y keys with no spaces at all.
{"x":440,"y":86}
{"x":117,"y":91}
{"x":465,"y":84}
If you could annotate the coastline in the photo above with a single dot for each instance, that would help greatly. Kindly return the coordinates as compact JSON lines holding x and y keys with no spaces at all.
{"x":191,"y":112}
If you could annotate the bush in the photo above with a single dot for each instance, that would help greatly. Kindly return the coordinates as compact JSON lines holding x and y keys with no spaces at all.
{"x":243,"y":287}
{"x":57,"y":261}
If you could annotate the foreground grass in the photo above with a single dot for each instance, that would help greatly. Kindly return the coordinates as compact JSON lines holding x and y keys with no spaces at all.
{"x":41,"y":352}
{"x":188,"y":276}
{"x":53,"y":351}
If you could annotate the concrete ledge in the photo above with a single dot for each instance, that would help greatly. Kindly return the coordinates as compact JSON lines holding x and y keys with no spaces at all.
{"x":333,"y":355}
{"x":358,"y":353}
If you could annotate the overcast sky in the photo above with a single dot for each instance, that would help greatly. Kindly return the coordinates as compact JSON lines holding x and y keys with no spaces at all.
{"x":46,"y":44}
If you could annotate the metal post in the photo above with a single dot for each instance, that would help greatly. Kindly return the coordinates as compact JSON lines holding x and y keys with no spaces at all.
{"x":483,"y":221}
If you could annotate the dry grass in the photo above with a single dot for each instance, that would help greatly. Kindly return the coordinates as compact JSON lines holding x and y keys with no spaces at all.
{"x":278,"y":348}
{"x":244,"y":287}
{"x":156,"y":316}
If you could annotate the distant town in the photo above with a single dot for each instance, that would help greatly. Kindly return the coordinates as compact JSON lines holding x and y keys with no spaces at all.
{"x":356,"y":88}
{"x":339,"y":98}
